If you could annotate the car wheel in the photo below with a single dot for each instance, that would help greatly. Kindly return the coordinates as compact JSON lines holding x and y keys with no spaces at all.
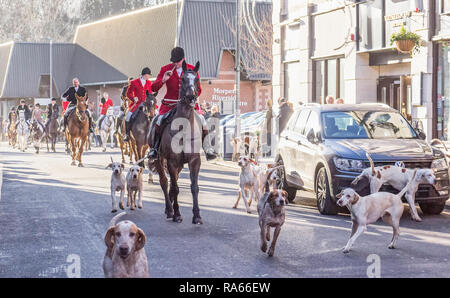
{"x":325,"y":203}
{"x":432,"y":208}
{"x":282,"y":184}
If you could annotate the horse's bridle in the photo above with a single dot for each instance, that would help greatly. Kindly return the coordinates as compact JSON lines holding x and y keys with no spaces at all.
{"x":190,"y":100}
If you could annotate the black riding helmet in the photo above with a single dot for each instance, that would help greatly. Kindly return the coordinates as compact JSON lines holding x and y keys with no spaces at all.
{"x":177,"y":55}
{"x":146,"y":71}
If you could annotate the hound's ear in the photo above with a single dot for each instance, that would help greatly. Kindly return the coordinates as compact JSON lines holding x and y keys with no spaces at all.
{"x":109,"y":237}
{"x":339,"y":195}
{"x":184,"y":66}
{"x":109,"y":166}
{"x":355,"y":199}
{"x":122,"y":166}
{"x":197,"y":67}
{"x":140,"y":240}
{"x":419,"y":175}
{"x":285,"y":196}
{"x":141,"y":170}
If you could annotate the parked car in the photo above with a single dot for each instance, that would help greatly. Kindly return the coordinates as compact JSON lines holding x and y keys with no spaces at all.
{"x":323,"y":149}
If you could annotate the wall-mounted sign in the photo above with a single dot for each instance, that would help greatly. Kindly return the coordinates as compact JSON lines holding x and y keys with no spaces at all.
{"x":398,"y":16}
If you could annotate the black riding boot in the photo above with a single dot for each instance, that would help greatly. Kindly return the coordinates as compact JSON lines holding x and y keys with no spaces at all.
{"x":153,"y":155}
{"x":209,"y":150}
{"x":127,"y":131}
{"x":91,"y":128}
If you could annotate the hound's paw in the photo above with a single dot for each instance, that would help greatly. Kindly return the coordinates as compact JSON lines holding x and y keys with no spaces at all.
{"x":264,"y":247}
{"x":121,"y":206}
{"x":417,"y":219}
{"x":346,"y":250}
{"x":391,"y":246}
{"x":271,"y":251}
{"x":249,"y":211}
{"x":114,"y":211}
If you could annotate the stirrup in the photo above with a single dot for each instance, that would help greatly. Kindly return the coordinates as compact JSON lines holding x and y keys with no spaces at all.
{"x":153,"y":155}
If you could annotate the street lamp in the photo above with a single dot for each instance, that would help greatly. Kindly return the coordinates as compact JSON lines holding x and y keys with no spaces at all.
{"x":51,"y":65}
{"x":238,"y":71}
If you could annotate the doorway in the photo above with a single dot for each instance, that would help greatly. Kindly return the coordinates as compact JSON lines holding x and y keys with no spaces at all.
{"x":396,"y":93}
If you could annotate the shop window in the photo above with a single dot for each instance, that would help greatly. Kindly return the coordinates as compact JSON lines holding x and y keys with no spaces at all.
{"x":329,"y":79}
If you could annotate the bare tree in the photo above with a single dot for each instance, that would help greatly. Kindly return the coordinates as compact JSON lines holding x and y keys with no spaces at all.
{"x":37,"y":20}
{"x":256,"y":38}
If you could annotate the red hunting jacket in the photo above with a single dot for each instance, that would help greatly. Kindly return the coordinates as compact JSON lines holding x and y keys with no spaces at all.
{"x":137,"y":90}
{"x":109,"y":103}
{"x":173,"y":87}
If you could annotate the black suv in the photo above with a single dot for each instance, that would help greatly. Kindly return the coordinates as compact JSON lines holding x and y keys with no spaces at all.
{"x":323,"y":149}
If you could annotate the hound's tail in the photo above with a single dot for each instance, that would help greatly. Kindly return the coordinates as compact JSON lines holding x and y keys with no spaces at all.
{"x":408,"y":185}
{"x":372,"y":165}
{"x":114,"y":220}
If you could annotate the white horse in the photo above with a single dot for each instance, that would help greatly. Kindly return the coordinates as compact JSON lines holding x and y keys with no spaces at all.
{"x":23,"y":132}
{"x":107,"y":129}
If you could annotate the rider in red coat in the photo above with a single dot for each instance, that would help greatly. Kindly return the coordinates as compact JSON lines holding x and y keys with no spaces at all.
{"x":137,"y":93}
{"x":170,"y":75}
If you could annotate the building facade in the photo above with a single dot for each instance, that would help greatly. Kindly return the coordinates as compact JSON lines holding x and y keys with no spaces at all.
{"x":25,"y":73}
{"x":343,"y":49}
{"x":204,"y":29}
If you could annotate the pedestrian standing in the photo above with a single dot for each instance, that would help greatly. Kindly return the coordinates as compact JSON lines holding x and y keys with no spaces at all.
{"x":286,"y":111}
{"x":269,"y":116}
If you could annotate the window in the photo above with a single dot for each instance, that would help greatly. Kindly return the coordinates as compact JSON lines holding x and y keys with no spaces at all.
{"x":366,"y":125}
{"x":301,"y":122}
{"x":329,"y":79}
{"x":313,"y":122}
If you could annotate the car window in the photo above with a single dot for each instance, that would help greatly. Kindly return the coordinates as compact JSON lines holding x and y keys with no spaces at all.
{"x":366,"y":125}
{"x":301,"y":121}
{"x":292,"y":121}
{"x":313,"y":122}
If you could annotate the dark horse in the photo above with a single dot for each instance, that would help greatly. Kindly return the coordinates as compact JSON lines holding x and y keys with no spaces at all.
{"x":52,"y":132}
{"x":181,"y":142}
{"x":141,"y":127}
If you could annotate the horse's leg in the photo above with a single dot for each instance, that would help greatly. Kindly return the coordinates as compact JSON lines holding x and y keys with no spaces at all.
{"x":194,"y":170}
{"x":81,"y":149}
{"x":164,"y":182}
{"x":73,"y":150}
{"x":174,"y":191}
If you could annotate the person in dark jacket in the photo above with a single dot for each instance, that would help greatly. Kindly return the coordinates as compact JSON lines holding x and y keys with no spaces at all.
{"x":52,"y":111}
{"x":286,"y":111}
{"x":69,"y":96}
{"x":25,"y":108}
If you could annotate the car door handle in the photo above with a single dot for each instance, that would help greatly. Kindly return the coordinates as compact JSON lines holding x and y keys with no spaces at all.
{"x":299,"y":143}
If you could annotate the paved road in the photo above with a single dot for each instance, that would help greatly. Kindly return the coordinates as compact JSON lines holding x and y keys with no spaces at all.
{"x":50,"y":210}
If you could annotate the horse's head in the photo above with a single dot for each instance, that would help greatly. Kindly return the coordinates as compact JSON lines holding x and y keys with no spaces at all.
{"x":81,"y":102}
{"x":190,"y":85}
{"x":150,"y":104}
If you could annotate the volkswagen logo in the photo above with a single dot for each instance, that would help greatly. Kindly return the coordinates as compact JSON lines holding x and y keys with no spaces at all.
{"x":400,"y":164}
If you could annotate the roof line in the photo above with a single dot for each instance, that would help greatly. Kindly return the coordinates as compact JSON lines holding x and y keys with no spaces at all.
{"x":105,"y":83}
{"x":7,"y":43}
{"x":119,"y":16}
{"x":7,"y":68}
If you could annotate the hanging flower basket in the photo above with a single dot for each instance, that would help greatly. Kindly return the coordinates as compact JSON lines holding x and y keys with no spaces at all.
{"x":405,"y":46}
{"x":406,"y":42}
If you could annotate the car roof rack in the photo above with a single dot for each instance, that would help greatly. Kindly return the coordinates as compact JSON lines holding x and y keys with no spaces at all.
{"x":377,"y":104}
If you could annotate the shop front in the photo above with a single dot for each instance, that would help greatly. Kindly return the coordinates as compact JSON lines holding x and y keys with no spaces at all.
{"x":443,"y":96}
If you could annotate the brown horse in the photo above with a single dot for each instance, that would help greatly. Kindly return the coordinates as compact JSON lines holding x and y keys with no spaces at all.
{"x":182,"y":146}
{"x":77,"y":131}
{"x":140,"y":130}
{"x":52,"y":132}
{"x":12,"y":132}
{"x":125,"y":147}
